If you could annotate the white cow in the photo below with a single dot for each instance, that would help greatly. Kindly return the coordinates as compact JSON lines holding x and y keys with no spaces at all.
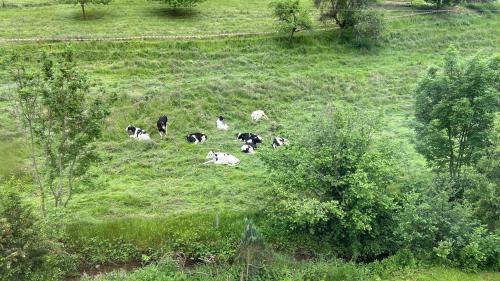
{"x":258,"y":114}
{"x":221,"y":158}
{"x":221,"y":124}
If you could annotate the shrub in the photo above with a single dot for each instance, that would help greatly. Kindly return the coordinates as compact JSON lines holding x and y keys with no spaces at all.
{"x":430,"y":223}
{"x":337,"y":183}
{"x":181,"y":4}
{"x":25,"y":253}
{"x":367,"y":29}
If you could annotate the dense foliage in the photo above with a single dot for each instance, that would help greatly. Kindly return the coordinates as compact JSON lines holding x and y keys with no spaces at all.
{"x":338,"y":183}
{"x":180,"y":4}
{"x":455,"y":111}
{"x":291,"y":16}
{"x":343,"y":12}
{"x":26,"y":251}
{"x":367,"y":29}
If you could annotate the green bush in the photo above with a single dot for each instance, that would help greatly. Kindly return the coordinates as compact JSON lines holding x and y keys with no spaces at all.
{"x":337,"y":183}
{"x":368,"y":28}
{"x":181,"y":4}
{"x":446,"y":231}
{"x":25,"y":252}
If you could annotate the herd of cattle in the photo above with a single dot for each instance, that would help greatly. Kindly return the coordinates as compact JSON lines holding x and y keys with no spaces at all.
{"x":250,"y":140}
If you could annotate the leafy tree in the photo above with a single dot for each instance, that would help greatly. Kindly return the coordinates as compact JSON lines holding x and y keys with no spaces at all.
{"x":455,"y":109}
{"x":180,"y":4}
{"x":84,"y":3}
{"x":291,"y":16}
{"x":341,"y":11}
{"x":62,"y":122}
{"x":337,"y":182}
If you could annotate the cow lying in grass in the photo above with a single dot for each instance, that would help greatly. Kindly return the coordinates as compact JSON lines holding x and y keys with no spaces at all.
{"x":249,"y":138}
{"x":221,"y":158}
{"x":248,"y":148}
{"x":221,"y":124}
{"x":162,"y":125}
{"x":277,"y":141}
{"x":137,"y":133}
{"x":196,"y":138}
{"x":257,"y":115}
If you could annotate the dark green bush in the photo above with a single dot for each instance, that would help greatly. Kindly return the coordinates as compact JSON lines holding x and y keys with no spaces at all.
{"x":25,"y":251}
{"x":338,"y":184}
{"x":368,"y":28}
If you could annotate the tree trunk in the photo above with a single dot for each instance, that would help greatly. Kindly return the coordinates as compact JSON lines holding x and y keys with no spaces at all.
{"x":83,"y":10}
{"x":35,"y":169}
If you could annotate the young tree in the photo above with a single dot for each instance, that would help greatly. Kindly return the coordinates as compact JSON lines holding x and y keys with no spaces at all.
{"x":62,"y":122}
{"x":252,"y":250}
{"x":455,"y":109}
{"x":291,"y":16}
{"x":83,"y":3}
{"x":341,"y":11}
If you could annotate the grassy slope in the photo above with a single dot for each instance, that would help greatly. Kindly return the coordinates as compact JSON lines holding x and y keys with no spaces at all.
{"x":193,"y":82}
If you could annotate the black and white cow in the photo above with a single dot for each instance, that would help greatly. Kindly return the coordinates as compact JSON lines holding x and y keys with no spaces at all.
{"x":137,"y":133}
{"x":248,"y":148}
{"x":249,"y":138}
{"x":196,"y":138}
{"x":162,"y":125}
{"x":278,"y":141}
{"x":221,"y":158}
{"x":221,"y":124}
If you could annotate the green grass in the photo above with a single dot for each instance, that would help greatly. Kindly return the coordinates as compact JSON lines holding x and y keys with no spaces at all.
{"x":445,"y":274}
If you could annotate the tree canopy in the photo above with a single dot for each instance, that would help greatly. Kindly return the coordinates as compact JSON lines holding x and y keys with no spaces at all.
{"x":455,"y":111}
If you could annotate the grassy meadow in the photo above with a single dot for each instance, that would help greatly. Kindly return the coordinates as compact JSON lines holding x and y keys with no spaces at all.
{"x":146,"y":193}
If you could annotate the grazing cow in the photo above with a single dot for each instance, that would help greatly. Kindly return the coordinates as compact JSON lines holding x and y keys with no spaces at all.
{"x":277,"y":141}
{"x":249,"y":138}
{"x":162,"y":125}
{"x":221,"y":124}
{"x":221,"y":158}
{"x":258,"y":114}
{"x":196,"y":138}
{"x":248,"y":148}
{"x":137,"y":133}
